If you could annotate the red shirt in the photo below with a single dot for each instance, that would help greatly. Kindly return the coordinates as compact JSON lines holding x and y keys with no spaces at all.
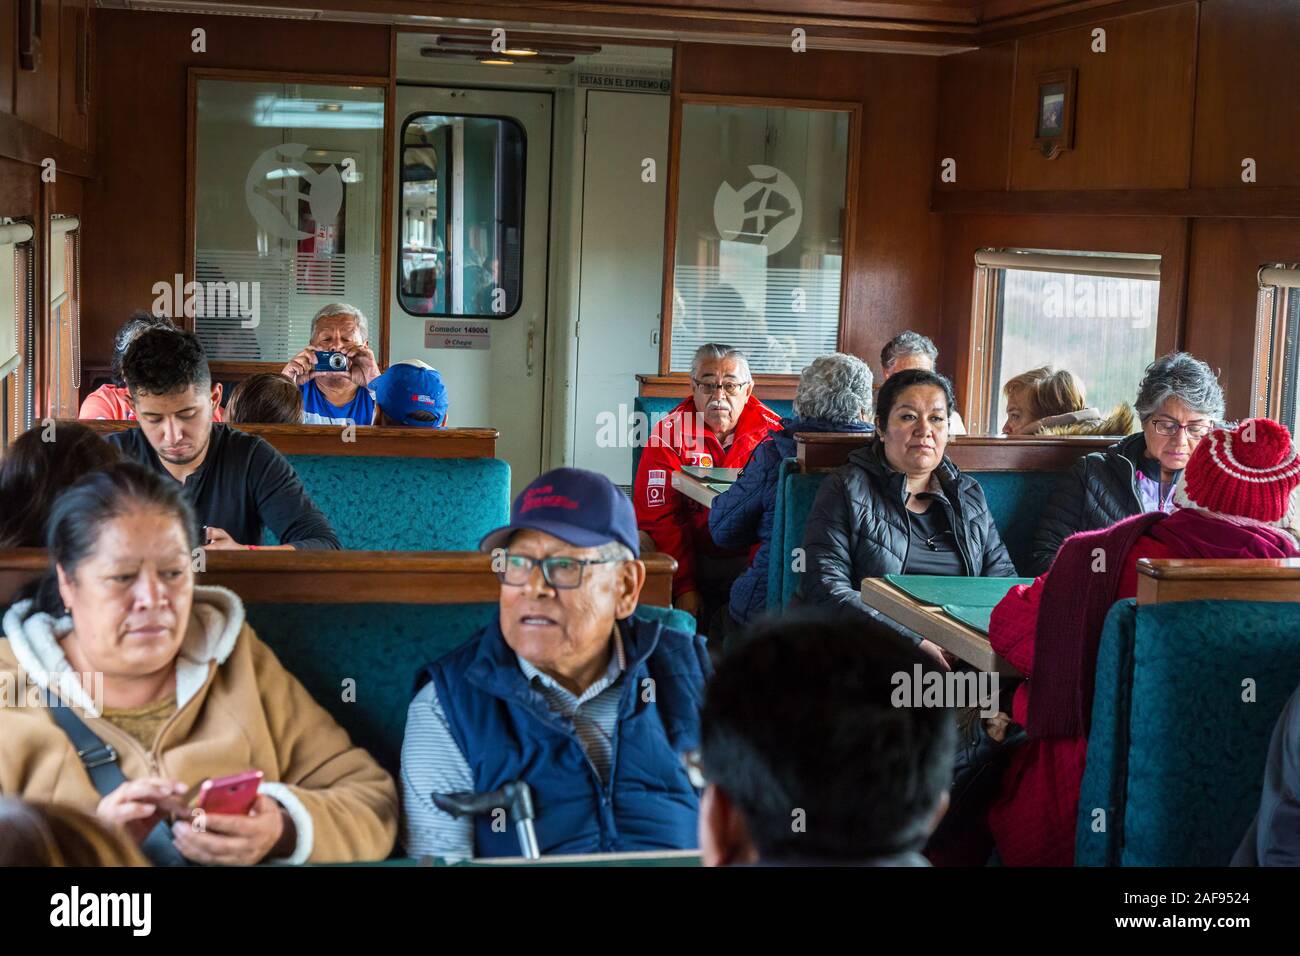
{"x":678,"y":525}
{"x":110,"y":402}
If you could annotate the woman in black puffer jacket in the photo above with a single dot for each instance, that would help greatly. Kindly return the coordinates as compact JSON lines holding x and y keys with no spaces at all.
{"x":899,"y":506}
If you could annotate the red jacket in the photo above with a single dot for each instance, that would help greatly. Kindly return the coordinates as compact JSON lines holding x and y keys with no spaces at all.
{"x":1033,"y":821}
{"x":678,"y":525}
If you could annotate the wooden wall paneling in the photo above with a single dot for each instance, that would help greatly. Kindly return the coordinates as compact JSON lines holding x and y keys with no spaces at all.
{"x":74,"y":62}
{"x":1133,"y":115}
{"x":973,"y":117}
{"x":1222,"y":293}
{"x":1246,"y":106}
{"x":139,"y":71}
{"x":892,"y":271}
{"x":36,"y":92}
{"x":963,"y":235}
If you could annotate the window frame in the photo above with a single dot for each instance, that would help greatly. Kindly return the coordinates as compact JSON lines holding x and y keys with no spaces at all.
{"x":851,"y":176}
{"x":1268,"y":383}
{"x":985,"y":346}
{"x":523,"y":211}
{"x":19,"y":397}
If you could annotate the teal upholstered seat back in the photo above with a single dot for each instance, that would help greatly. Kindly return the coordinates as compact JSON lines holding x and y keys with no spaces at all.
{"x":408,"y":504}
{"x":1175,"y":755}
{"x":656,"y":408}
{"x":380,"y":648}
{"x":1016,"y":498}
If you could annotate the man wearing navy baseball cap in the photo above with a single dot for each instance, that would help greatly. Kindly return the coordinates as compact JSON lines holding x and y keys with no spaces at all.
{"x":568,"y":690}
{"x":410,"y":393}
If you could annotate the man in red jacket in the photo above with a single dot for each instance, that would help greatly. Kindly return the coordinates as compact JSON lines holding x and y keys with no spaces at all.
{"x":718,"y":426}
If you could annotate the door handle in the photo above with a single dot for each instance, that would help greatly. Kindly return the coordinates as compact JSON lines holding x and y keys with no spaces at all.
{"x":532,"y":339}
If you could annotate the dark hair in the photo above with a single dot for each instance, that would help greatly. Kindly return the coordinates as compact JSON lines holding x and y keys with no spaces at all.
{"x":265,"y":398}
{"x":161,"y":361}
{"x":801,"y":718}
{"x":34,"y":471}
{"x":52,"y":834}
{"x":82,"y":510}
{"x":140,"y":321}
{"x":908,"y":377}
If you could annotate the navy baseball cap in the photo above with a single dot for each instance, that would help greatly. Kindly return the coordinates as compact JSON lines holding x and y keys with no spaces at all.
{"x":410,"y":387}
{"x":581,"y":508}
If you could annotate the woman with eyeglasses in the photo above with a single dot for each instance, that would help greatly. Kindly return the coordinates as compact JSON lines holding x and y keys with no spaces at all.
{"x":1178,"y":403}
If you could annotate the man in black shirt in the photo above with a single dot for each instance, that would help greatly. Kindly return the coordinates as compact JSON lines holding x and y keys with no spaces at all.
{"x":236,"y":482}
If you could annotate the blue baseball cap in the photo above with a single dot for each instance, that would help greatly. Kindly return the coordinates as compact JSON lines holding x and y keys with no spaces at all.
{"x":581,"y":508}
{"x":409,"y":387}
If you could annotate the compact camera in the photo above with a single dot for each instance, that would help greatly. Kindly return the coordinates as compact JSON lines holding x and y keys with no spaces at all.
{"x":331,"y":362}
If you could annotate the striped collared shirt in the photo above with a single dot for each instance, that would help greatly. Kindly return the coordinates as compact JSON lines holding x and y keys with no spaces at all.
{"x":432,"y":762}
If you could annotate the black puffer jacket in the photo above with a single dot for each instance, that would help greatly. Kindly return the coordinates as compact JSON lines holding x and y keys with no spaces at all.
{"x":1099,"y":490}
{"x":858,"y":528}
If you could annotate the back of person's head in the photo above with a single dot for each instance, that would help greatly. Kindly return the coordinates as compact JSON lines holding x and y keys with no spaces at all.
{"x":905,"y":345}
{"x":140,"y":321}
{"x":1044,"y":392}
{"x":52,"y":834}
{"x":799,"y":734}
{"x":265,"y":398}
{"x":899,"y":381}
{"x":39,"y":465}
{"x":162,"y":361}
{"x":81,"y":512}
{"x":835,"y":388}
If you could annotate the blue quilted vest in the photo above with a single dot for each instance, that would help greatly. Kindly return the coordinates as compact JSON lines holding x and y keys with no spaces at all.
{"x":507,"y":732}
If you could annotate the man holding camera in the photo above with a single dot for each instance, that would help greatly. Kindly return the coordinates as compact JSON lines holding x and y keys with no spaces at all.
{"x":334,"y":372}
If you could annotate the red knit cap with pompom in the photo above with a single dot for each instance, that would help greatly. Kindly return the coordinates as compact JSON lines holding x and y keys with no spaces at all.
{"x":1251,"y":471}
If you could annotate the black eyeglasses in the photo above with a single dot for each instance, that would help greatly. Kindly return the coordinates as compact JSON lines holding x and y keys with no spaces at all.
{"x":708,"y":388}
{"x":559,"y":572}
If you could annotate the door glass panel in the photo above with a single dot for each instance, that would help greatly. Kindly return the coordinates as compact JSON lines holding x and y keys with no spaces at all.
{"x":760,"y":218}
{"x":288,"y":212}
{"x":462,"y":215}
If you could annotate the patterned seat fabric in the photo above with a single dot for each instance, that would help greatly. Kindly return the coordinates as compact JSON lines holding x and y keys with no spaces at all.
{"x":1185,"y":702}
{"x":407,"y":504}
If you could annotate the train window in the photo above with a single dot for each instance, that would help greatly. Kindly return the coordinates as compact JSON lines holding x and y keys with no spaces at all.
{"x":288,"y":213}
{"x":759,"y":233}
{"x":1276,"y":385}
{"x":1092,"y":313}
{"x":64,"y":341}
{"x":17,"y":309}
{"x":462,"y":215}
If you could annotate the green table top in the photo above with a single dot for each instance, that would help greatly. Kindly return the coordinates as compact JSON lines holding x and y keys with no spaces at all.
{"x":975,"y":617}
{"x":939,"y":590}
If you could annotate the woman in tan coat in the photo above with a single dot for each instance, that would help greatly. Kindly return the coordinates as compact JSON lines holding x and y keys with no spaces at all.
{"x":172,"y":678}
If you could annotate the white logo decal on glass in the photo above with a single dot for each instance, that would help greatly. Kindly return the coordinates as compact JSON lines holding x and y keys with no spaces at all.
{"x":765,"y":211}
{"x":281,"y":171}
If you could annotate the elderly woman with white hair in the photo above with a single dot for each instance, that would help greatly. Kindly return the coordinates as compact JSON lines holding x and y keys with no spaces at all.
{"x":1179,"y":401}
{"x":834,"y":395}
{"x":341,"y":396}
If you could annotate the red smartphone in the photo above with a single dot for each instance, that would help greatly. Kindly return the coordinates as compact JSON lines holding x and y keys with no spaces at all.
{"x":234,"y":795}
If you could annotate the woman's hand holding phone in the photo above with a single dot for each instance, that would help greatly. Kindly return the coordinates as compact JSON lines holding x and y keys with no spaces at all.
{"x":232,"y":839}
